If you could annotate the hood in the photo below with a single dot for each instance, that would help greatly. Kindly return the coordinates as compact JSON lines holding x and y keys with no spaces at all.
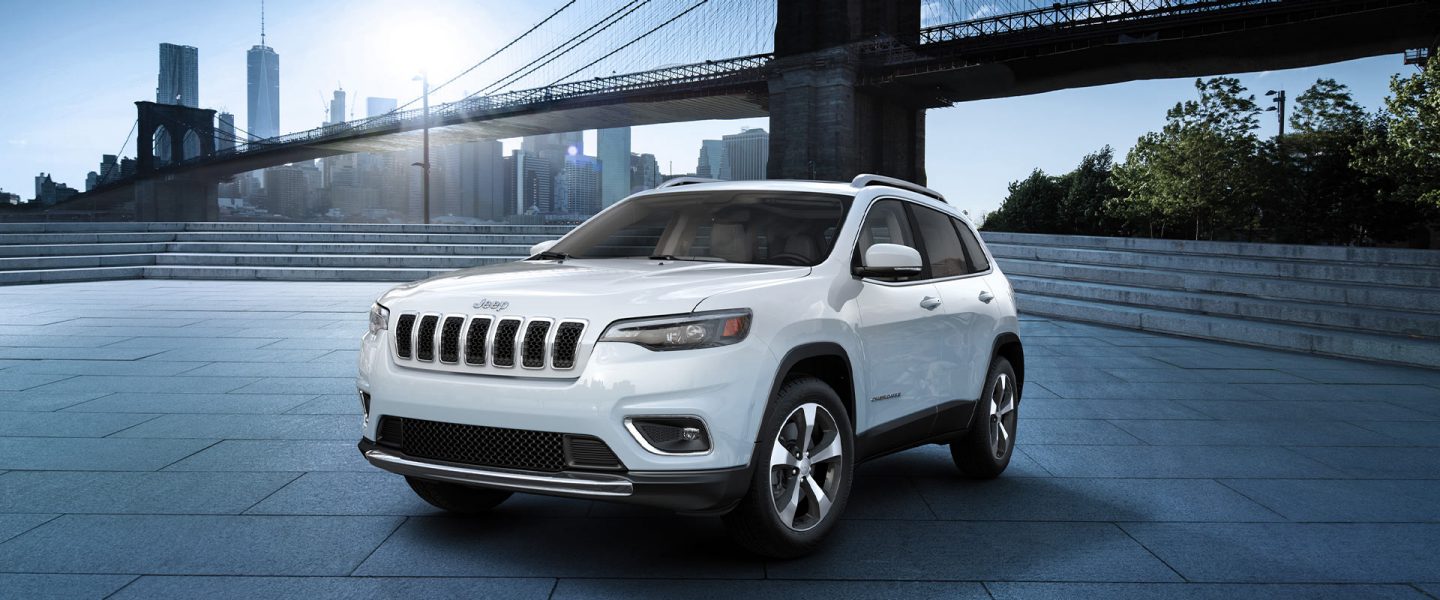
{"x":597,"y":290}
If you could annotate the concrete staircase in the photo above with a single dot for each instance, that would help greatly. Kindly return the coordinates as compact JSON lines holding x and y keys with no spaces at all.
{"x":1369,"y":303}
{"x":53,"y":252}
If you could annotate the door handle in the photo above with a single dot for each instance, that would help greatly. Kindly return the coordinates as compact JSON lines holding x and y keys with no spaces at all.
{"x":986,"y":297}
{"x":929,"y":303}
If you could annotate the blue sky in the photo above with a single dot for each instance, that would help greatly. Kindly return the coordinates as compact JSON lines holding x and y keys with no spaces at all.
{"x":73,"y":71}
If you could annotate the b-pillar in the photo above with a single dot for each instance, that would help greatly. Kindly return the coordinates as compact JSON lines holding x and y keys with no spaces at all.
{"x":824,"y":123}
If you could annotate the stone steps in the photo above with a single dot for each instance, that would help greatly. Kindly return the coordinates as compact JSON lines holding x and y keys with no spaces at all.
{"x":1365,"y":303}
{"x":478,"y":249}
{"x":340,"y":261}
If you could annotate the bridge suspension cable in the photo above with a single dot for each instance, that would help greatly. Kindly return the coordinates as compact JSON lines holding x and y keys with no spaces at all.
{"x":603,"y":24}
{"x":631,"y":42}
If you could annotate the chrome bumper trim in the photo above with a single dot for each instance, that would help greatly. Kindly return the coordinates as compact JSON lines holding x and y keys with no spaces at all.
{"x":579,"y":484}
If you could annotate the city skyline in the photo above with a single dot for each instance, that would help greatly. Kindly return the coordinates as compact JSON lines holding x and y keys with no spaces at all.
{"x":973,"y":149}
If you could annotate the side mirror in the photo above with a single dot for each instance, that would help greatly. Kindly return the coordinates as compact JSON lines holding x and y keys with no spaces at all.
{"x":542,"y":246}
{"x":889,"y":260}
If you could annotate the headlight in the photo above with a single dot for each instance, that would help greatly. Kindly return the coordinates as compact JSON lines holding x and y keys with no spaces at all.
{"x":683,"y":332}
{"x":379,"y":319}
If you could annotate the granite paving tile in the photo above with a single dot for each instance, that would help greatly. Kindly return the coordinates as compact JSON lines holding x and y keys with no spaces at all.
{"x":32,"y":401}
{"x":136,"y":384}
{"x":273,"y":455}
{"x":1412,"y":433}
{"x":1255,"y":433}
{"x":93,"y":454}
{"x":1177,"y":461}
{"x":61,"y":587}
{"x":526,"y":547}
{"x":335,"y":588}
{"x":20,"y":381}
{"x":12,"y":525}
{"x":196,"y":545}
{"x":249,"y":427}
{"x":257,"y":355}
{"x":1153,"y":391}
{"x":241,"y":369}
{"x":66,"y":424}
{"x":1197,"y":591}
{"x":1072,"y":431}
{"x":1346,"y":500}
{"x":300,"y":385}
{"x":1177,"y":375}
{"x":1334,"y":392}
{"x":376,"y":492}
{"x":136,"y":493}
{"x":329,"y":404}
{"x":1085,"y":499}
{"x":105,"y":367}
{"x":1379,"y":463}
{"x":1295,"y":552}
{"x":1294,"y":411}
{"x":1093,"y":408}
{"x":193,"y":403}
{"x":971,"y":551}
{"x":624,"y":589}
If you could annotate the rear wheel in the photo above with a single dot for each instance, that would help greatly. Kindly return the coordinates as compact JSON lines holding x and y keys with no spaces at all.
{"x":456,"y":498}
{"x":985,"y":451}
{"x":801,"y":482}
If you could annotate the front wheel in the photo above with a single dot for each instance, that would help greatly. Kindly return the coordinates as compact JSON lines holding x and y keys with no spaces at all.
{"x":985,"y":451}
{"x":804,"y":460}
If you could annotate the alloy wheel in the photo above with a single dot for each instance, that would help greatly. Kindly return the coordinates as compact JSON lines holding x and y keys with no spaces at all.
{"x":1002,"y":416}
{"x":805,"y":467}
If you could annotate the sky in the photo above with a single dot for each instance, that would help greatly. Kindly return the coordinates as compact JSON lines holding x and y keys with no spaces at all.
{"x":72,"y":73}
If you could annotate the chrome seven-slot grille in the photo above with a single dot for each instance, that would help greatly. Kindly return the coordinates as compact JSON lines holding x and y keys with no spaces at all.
{"x":481,"y":340}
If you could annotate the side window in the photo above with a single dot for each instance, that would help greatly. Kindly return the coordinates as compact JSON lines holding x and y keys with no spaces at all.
{"x":978,"y":262}
{"x":886,"y":223}
{"x":942,"y":245}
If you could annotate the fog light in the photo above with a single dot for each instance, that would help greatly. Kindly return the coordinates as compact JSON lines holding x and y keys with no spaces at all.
{"x":670,"y":435}
{"x":365,"y":404}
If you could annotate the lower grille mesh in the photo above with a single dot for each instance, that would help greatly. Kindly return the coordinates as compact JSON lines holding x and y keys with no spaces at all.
{"x":495,"y":446}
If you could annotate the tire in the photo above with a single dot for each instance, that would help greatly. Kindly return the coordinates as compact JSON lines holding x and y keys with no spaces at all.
{"x":782,"y":515}
{"x":456,"y":498}
{"x":985,"y":450}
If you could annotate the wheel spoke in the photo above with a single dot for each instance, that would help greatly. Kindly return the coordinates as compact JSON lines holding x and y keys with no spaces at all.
{"x":787,"y":512}
{"x":780,"y":455}
{"x":822,"y":502}
{"x":1007,"y":406}
{"x":807,"y":426}
{"x":1004,"y":436}
{"x":830,"y":451}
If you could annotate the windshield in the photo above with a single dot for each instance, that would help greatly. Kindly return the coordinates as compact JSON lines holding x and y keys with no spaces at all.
{"x":769,"y":228}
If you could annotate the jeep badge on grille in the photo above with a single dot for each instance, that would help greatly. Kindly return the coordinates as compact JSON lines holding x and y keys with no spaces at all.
{"x":488,"y":304}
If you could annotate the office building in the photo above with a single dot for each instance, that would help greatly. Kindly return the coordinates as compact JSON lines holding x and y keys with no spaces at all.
{"x":109,"y":168}
{"x":614,"y":154}
{"x":286,"y":191}
{"x":10,"y":199}
{"x":552,"y":149}
{"x":471,"y":179}
{"x":263,"y":83}
{"x":337,"y":108}
{"x":644,"y":172}
{"x":712,"y":160}
{"x":747,"y":154}
{"x":577,"y":188}
{"x":528,"y":183}
{"x":225,"y":132}
{"x":179,"y":76}
{"x":375,"y":107}
{"x":49,"y":193}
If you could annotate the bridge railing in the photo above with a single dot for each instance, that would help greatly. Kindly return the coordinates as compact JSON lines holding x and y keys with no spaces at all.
{"x":1060,"y":15}
{"x":414,"y":118}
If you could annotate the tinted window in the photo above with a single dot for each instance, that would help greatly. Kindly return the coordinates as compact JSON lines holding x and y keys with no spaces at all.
{"x":886,"y":223}
{"x":978,"y":262}
{"x":942,"y":244}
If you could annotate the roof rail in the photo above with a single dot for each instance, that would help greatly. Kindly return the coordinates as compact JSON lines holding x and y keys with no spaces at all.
{"x":865,"y":179}
{"x":679,"y":181}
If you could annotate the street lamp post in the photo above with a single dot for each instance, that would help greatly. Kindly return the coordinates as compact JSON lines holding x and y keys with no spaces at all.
{"x":424,"y":163}
{"x":1279,"y":109}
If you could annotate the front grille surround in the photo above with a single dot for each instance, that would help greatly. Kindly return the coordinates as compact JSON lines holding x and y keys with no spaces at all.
{"x":487,"y":343}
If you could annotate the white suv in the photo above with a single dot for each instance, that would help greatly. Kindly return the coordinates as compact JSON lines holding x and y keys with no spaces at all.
{"x":729,"y":348}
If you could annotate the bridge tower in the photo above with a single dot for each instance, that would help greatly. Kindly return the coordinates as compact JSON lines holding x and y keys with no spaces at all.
{"x":180,"y":132}
{"x":824,"y":123}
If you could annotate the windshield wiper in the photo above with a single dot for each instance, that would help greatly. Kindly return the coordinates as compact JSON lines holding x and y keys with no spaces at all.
{"x":692,"y":258}
{"x":550,"y":255}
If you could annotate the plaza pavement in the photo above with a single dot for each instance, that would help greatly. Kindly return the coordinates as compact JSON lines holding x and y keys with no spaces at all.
{"x":197,"y":440}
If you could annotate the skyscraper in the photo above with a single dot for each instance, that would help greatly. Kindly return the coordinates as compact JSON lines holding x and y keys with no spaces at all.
{"x":263,"y":83}
{"x":375,"y":107}
{"x":577,"y":188}
{"x":552,"y":149}
{"x":179,"y":76}
{"x":225,"y":132}
{"x":712,"y":160}
{"x":614,"y":164}
{"x":747,"y":153}
{"x":286,"y":189}
{"x":644,"y":172}
{"x":337,"y":108}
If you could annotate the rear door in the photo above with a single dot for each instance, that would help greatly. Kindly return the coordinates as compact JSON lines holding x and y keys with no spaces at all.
{"x":965,"y":336}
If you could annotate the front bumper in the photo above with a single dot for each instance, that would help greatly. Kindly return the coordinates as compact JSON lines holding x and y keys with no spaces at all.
{"x":686,"y":491}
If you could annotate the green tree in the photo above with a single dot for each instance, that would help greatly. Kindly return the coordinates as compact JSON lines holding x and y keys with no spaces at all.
{"x":1073,"y":203}
{"x":1326,"y":107}
{"x":1200,"y":172}
{"x":1405,"y":143}
{"x":1032,"y":206}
